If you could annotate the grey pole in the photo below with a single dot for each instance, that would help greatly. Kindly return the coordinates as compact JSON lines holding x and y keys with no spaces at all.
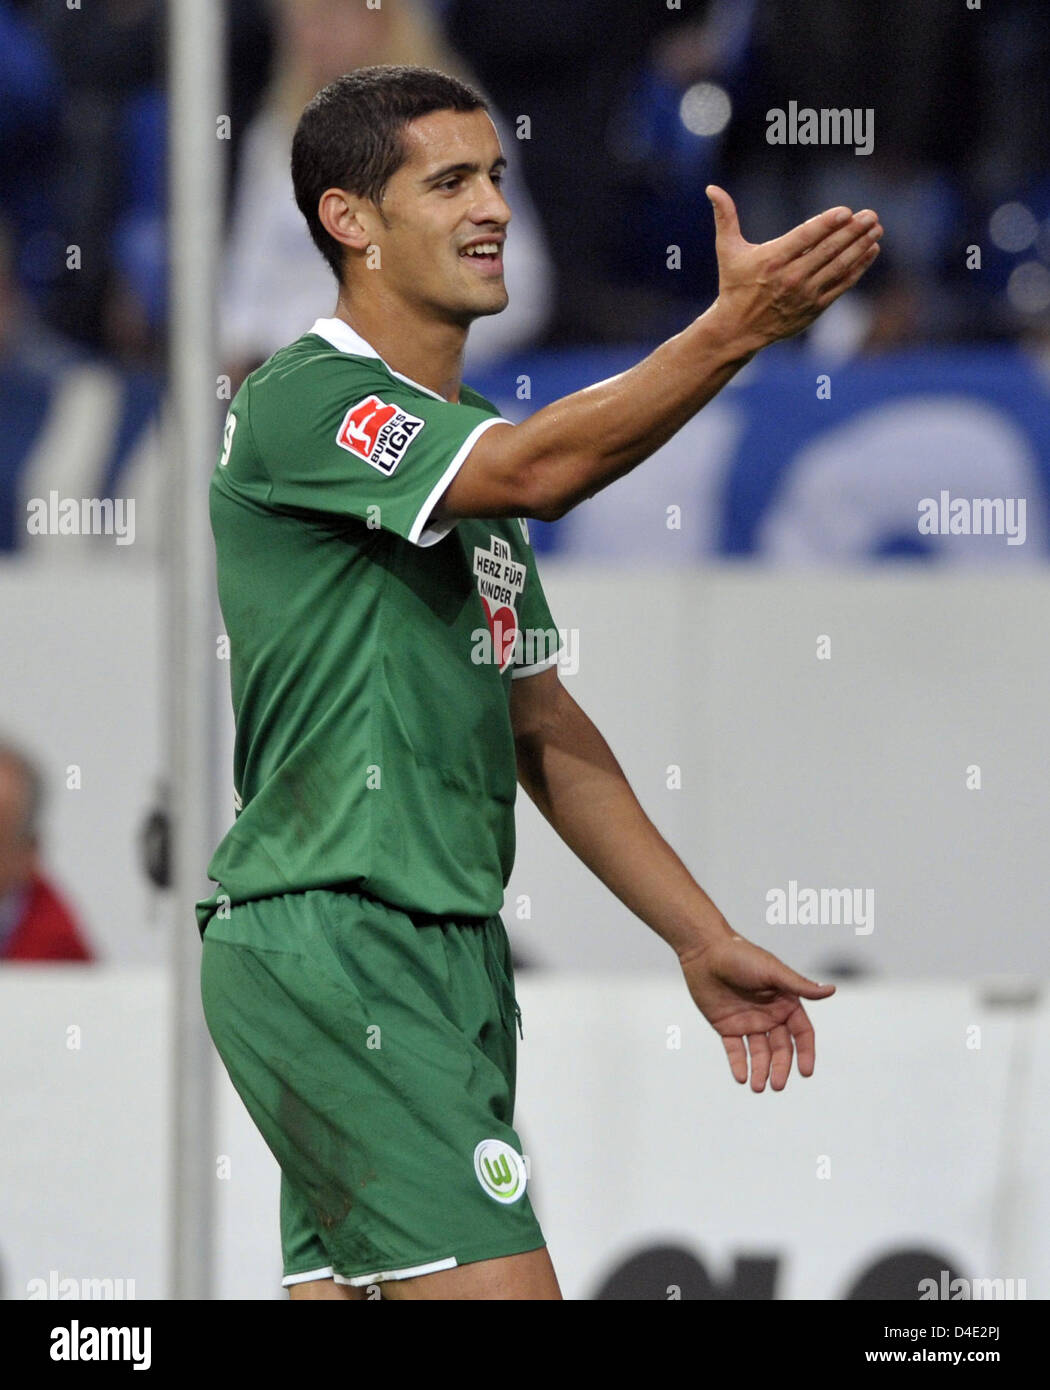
{"x":195,"y":91}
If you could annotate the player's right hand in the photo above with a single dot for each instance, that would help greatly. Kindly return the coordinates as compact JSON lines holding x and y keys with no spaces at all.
{"x":774,"y":289}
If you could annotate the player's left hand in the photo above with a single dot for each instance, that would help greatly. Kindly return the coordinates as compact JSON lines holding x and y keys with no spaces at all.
{"x":746,"y":992}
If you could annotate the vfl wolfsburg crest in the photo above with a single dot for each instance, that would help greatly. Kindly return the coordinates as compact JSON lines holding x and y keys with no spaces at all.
{"x":500,"y":1170}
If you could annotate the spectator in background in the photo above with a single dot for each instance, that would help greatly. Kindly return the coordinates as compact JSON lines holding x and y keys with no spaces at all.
{"x":30,"y":94}
{"x":61,"y":410}
{"x":32,"y":363}
{"x":35,"y":923}
{"x":106,"y":60}
{"x":960,"y":106}
{"x":915,"y":67}
{"x":104,"y":119}
{"x":276,"y":284}
{"x":574,"y":70}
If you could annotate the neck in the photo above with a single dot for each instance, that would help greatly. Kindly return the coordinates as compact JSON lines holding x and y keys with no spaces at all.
{"x":427,"y":350}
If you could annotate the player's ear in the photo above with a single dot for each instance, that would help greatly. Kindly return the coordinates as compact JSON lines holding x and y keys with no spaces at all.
{"x":345,"y":218}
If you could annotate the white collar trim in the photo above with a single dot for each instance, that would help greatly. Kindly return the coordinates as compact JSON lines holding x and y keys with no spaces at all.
{"x":339,"y":333}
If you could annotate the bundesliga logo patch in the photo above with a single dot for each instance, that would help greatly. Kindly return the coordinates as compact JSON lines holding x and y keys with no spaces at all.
{"x":378,"y":433}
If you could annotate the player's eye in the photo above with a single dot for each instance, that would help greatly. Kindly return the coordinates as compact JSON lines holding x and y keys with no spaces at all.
{"x":449,"y":183}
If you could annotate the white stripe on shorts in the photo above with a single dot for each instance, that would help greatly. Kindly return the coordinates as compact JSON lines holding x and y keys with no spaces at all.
{"x":359,"y":1280}
{"x":302,"y":1278}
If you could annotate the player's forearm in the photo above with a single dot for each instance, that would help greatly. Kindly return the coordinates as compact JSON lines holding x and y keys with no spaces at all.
{"x":569,"y":771}
{"x":576,"y":446}
{"x":570,"y":450}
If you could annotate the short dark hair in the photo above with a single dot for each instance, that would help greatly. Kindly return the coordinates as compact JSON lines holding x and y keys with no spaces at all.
{"x":350,"y":136}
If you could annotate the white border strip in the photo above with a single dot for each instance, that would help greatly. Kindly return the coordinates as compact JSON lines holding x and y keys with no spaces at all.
{"x":517,"y":672}
{"x":360,"y":1280}
{"x":326,"y":1273}
{"x":422,"y":534}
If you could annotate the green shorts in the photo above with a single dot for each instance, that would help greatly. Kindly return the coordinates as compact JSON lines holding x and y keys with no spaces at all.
{"x":376,"y":1052}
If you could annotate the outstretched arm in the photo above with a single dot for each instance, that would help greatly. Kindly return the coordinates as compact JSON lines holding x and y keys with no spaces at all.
{"x":569,"y":771}
{"x":572,"y":448}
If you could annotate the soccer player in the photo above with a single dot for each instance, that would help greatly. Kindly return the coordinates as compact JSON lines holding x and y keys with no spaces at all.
{"x":394,"y":675}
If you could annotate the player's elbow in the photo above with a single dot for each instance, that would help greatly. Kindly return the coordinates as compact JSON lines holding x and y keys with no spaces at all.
{"x":545,"y":495}
{"x":534,"y":488}
{"x":545,"y":506}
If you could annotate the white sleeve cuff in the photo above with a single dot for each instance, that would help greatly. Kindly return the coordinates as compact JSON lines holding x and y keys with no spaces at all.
{"x":517,"y":672}
{"x":426,"y":532}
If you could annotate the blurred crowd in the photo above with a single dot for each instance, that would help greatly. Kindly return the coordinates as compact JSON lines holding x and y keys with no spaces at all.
{"x":615,"y":113}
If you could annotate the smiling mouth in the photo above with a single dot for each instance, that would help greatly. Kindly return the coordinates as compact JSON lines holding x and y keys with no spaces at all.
{"x":485,"y":253}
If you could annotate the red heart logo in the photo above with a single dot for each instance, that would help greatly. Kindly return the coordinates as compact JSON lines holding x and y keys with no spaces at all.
{"x":503,"y":625}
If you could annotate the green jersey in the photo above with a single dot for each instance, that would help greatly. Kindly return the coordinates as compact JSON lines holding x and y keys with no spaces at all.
{"x":371,"y":647}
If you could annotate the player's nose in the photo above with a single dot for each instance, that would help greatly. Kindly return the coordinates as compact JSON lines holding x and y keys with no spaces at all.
{"x":491,"y":205}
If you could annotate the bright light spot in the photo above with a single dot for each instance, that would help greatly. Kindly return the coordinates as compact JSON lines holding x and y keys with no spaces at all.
{"x":1012,"y":227}
{"x":705,"y":109}
{"x":1028,"y":288}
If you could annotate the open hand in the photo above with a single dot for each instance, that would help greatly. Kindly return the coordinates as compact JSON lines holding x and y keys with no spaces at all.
{"x":773,"y":289}
{"x":746,"y":992}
